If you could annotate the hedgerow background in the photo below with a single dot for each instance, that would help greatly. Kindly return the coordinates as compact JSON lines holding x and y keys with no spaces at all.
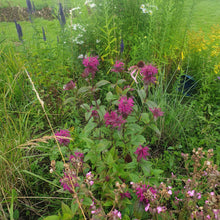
{"x":126,"y":147}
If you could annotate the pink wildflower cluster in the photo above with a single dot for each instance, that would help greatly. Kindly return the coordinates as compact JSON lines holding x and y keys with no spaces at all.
{"x":113,"y":119}
{"x":114,"y":215}
{"x":146,"y":194}
{"x":89,"y":178}
{"x":156,"y":112}
{"x":125,"y":106}
{"x":63,"y":133}
{"x":136,"y":70}
{"x":142,"y":152}
{"x":91,"y":64}
{"x":118,"y":67}
{"x":149,"y":73}
{"x":69,"y":182}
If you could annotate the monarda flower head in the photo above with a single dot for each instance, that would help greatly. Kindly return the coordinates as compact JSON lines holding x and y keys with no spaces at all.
{"x":64,"y":133}
{"x":142,"y":152}
{"x":113,"y":119}
{"x":125,"y":106}
{"x":149,"y":72}
{"x":156,"y":112}
{"x":118,"y":67}
{"x":69,"y":182}
{"x":91,"y":64}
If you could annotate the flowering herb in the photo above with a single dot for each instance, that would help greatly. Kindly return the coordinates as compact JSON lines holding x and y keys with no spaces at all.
{"x":148,"y":72}
{"x":64,"y":133}
{"x":118,"y":67}
{"x":113,"y":119}
{"x":62,"y":18}
{"x":29,"y":6}
{"x":91,"y":64}
{"x":125,"y":106}
{"x":156,"y":112}
{"x":136,"y":69}
{"x":19,"y":30}
{"x":142,"y":152}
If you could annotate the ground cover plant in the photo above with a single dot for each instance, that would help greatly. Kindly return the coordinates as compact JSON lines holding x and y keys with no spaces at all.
{"x":109,"y":110}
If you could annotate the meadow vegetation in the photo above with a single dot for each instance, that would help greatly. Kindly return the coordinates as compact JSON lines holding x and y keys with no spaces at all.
{"x":110,"y":110}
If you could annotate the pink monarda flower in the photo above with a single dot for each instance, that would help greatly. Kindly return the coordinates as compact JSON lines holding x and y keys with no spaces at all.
{"x":149,"y":73}
{"x":156,"y":112}
{"x":142,"y":152}
{"x":69,"y":86}
{"x":113,"y":119}
{"x":63,"y":133}
{"x":118,"y":67}
{"x":91,"y":64}
{"x":77,"y":157}
{"x":125,"y":106}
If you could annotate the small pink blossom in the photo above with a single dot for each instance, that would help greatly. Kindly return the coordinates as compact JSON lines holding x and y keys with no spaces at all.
{"x":118,"y":67}
{"x":216,"y":212}
{"x":116,"y":214}
{"x":142,"y":152}
{"x":161,"y":209}
{"x":156,"y":112}
{"x":212,"y":193}
{"x":208,"y":217}
{"x":91,"y":64}
{"x":198,"y":195}
{"x":147,"y":207}
{"x":191,"y":193}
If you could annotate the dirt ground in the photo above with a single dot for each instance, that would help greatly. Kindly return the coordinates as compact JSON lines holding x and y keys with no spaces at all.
{"x":11,"y":14}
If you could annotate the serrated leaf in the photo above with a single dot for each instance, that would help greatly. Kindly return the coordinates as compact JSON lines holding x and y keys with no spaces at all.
{"x":92,"y":156}
{"x":134,"y":177}
{"x":101,"y":83}
{"x":138,"y":140}
{"x":145,"y":118}
{"x":69,"y":100}
{"x":84,"y":89}
{"x":157,"y":172}
{"x":142,"y":94}
{"x":89,"y":127}
{"x":66,"y":210}
{"x":131,"y":119}
{"x":110,"y":96}
{"x":74,"y":207}
{"x":87,"y":201}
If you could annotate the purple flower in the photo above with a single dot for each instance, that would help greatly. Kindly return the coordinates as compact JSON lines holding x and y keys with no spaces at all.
{"x":191,"y":193}
{"x":147,"y":207}
{"x":70,"y":85}
{"x":218,"y":77}
{"x":122,"y":46}
{"x":64,"y":133}
{"x":148,"y":73}
{"x":77,"y":157}
{"x":118,"y":67}
{"x":62,"y":18}
{"x":125,"y":106}
{"x":142,"y":152}
{"x":29,"y":6}
{"x":156,"y":112}
{"x":91,"y":64}
{"x":19,"y":30}
{"x":113,"y":119}
{"x":124,"y":195}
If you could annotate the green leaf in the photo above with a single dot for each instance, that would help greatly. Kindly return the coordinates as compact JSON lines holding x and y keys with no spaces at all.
{"x":120,"y":81}
{"x":52,"y":217}
{"x":92,"y":156}
{"x":89,"y":127}
{"x":110,"y":96}
{"x":87,"y":201}
{"x":151,"y":104}
{"x":131,"y":119}
{"x":74,"y":207}
{"x":84,"y":89}
{"x":69,"y":100}
{"x":157,"y":172}
{"x":101,"y":83}
{"x":155,"y":128}
{"x":142,"y":95}
{"x":85,"y":106}
{"x":66,"y":209}
{"x":134,"y":177}
{"x":145,"y":118}
{"x":103,"y":145}
{"x":138,"y":140}
{"x":108,"y":203}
